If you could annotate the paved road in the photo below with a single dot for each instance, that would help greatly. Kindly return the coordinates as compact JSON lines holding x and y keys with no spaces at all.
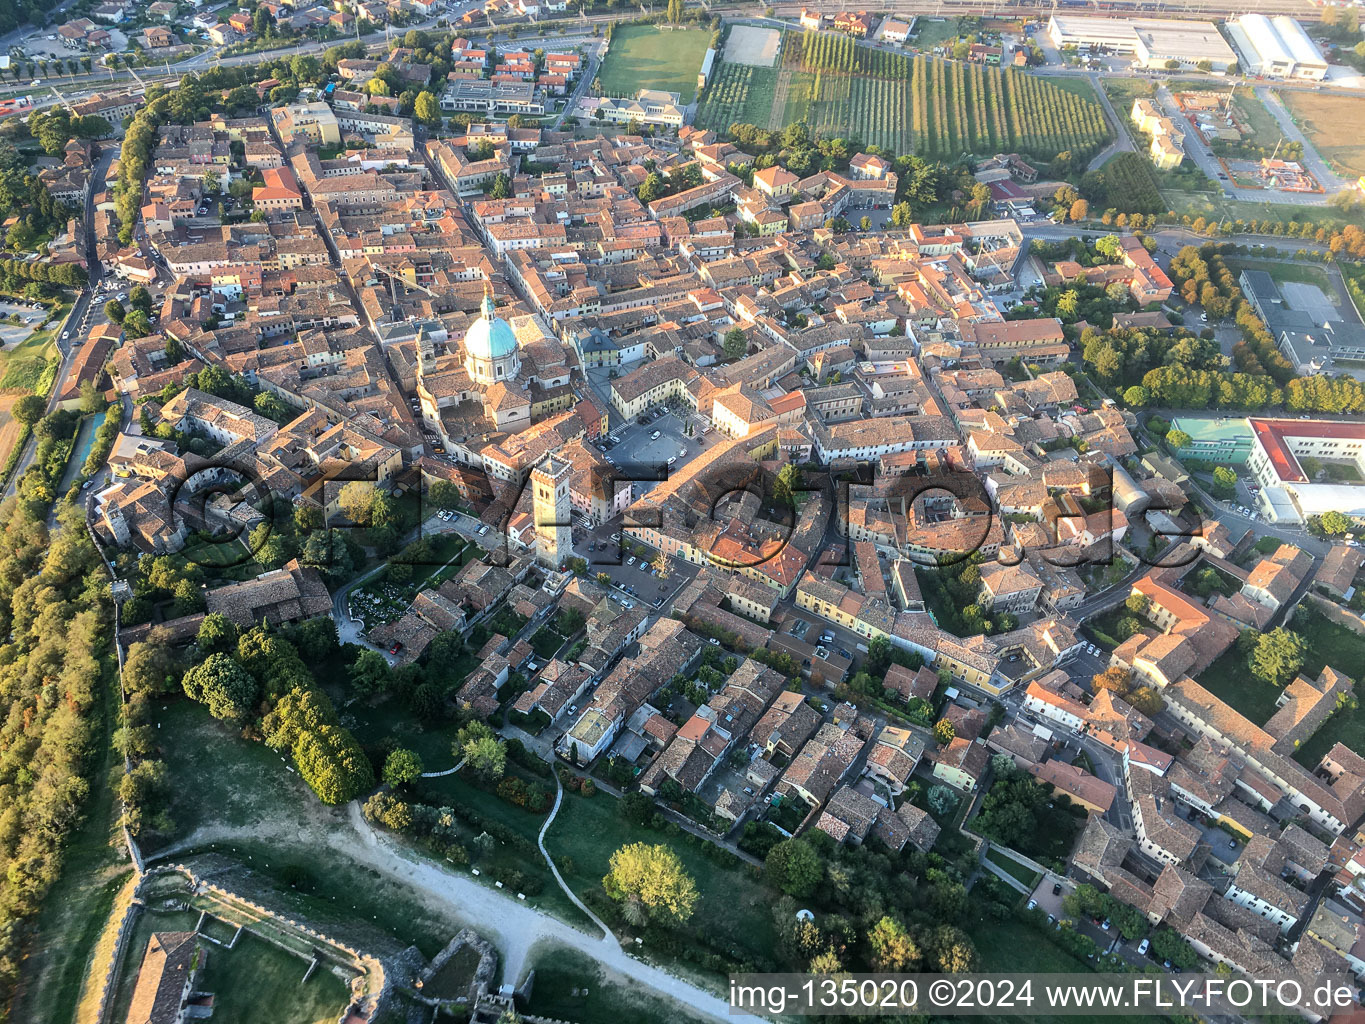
{"x":1123,"y":142}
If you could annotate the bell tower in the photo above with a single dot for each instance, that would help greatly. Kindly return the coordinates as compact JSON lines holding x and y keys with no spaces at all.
{"x":551,"y":510}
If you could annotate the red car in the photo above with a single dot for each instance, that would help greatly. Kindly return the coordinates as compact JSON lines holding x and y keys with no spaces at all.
{"x":395,"y":648}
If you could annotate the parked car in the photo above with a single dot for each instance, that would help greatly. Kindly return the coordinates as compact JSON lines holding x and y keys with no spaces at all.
{"x":713,"y":641}
{"x":1143,"y":946}
{"x":1032,"y":904}
{"x":654,"y":436}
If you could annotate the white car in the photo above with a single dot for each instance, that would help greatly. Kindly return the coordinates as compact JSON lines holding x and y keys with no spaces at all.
{"x":654,"y":436}
{"x":630,"y":560}
{"x":672,"y":459}
{"x":1143,"y":946}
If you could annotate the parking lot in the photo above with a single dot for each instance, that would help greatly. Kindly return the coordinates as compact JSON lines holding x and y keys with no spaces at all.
{"x":657,"y":448}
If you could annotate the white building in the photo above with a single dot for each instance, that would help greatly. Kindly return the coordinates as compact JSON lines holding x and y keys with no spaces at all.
{"x":1288,"y":494}
{"x":1152,"y":41}
{"x":1277,"y":47}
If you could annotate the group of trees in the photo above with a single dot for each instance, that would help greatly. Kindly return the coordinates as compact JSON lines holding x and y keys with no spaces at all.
{"x":23,"y":196}
{"x":1024,"y":814}
{"x":1275,"y":657}
{"x":54,"y":614}
{"x":55,"y":127}
{"x":953,"y":591}
{"x":656,"y":185}
{"x":1120,"y":682}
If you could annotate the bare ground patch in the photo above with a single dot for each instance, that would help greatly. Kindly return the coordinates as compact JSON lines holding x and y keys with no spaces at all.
{"x":749,"y":44}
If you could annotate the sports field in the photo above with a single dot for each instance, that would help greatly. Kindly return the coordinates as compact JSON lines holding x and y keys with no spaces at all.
{"x":1333,"y":125}
{"x":650,"y":57}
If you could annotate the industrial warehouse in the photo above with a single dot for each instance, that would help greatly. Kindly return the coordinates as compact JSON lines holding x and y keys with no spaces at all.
{"x":1153,"y":42}
{"x":1277,"y":47}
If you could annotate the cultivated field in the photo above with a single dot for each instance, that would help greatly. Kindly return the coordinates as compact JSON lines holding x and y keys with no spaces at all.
{"x":649,"y":57}
{"x":754,"y":46}
{"x":929,"y":106}
{"x":1332,"y":123}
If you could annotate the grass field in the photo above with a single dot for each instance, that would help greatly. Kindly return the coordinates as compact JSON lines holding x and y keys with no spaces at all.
{"x":254,"y":974}
{"x":1330,"y":644}
{"x":23,"y":365}
{"x":1211,"y":206}
{"x":906,"y":104}
{"x":572,"y":986}
{"x":649,"y":57}
{"x":1332,"y":124}
{"x":1013,"y":868}
{"x":734,"y":910}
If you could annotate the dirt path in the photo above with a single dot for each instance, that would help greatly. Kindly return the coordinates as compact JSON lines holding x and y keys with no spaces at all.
{"x":509,"y":924}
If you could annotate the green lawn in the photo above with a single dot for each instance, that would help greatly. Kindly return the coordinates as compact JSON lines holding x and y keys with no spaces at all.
{"x":1210,"y":205}
{"x":254,"y":974}
{"x":1330,"y":644}
{"x":1081,"y":87}
{"x":1230,"y":678}
{"x":223,"y":778}
{"x":931,"y":32}
{"x":649,"y":57}
{"x":1281,"y":272}
{"x":22,"y":366}
{"x":734,"y":910}
{"x":1013,"y":868}
{"x":572,"y":986}
{"x":1122,"y":92}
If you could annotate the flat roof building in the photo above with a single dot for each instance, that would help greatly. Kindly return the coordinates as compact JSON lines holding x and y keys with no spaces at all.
{"x":1152,"y":41}
{"x":1277,"y":47}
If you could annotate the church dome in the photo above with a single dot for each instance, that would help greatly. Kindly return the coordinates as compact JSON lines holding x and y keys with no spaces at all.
{"x":490,"y":337}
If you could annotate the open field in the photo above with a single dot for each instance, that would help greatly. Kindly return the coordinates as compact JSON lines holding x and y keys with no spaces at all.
{"x":733,"y":910}
{"x":906,"y":104}
{"x":1212,"y":206}
{"x":1330,"y":644}
{"x":648,"y":57}
{"x":22,"y":366}
{"x":1332,"y":124}
{"x":254,"y":974}
{"x":754,"y":46}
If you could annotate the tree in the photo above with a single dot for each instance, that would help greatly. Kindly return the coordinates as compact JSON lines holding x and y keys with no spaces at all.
{"x":219,"y":682}
{"x":486,"y":757}
{"x":371,"y":673}
{"x":653,"y":877}
{"x":1224,"y":481}
{"x":1080,"y":209}
{"x":427,"y":109}
{"x":1139,"y":604}
{"x":1115,"y":678}
{"x":1177,"y":439}
{"x":28,"y":409}
{"x":736,"y":344}
{"x":1278,"y":656}
{"x":901,"y":215}
{"x":211,"y":183}
{"x":893,"y":949}
{"x":787,"y":484}
{"x":1136,"y":396}
{"x":794,"y":867}
{"x":148,"y":668}
{"x":401,"y":767}
{"x":502,"y":188}
{"x":113,"y":309}
{"x":443,"y":494}
{"x":944,"y":732}
{"x":357,"y":501}
{"x":1334,"y":523}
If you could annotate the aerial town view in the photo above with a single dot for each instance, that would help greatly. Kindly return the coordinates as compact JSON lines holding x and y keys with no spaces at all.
{"x":542,"y":510}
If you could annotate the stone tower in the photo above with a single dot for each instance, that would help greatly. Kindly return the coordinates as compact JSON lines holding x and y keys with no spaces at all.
{"x":551,"y":511}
